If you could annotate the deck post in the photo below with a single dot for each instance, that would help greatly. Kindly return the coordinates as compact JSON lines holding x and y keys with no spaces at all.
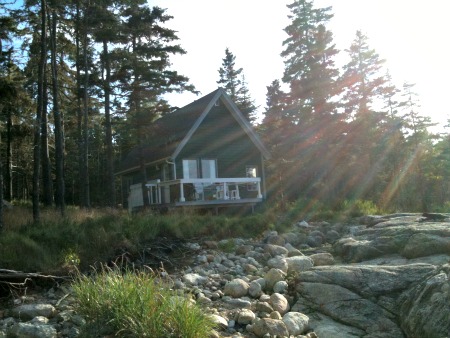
{"x":259,"y":189}
{"x":225,"y":192}
{"x":182,"y":199}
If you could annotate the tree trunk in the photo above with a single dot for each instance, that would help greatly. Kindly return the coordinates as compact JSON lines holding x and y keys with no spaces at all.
{"x":110,"y":189}
{"x":59,"y":150}
{"x":39,"y":109}
{"x":86,"y":202}
{"x":8,"y":173}
{"x":47,"y":184}
{"x":79,"y":103}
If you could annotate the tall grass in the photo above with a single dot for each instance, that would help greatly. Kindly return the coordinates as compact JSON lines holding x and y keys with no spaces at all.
{"x":84,"y":238}
{"x":136,"y":304}
{"x":88,"y":237}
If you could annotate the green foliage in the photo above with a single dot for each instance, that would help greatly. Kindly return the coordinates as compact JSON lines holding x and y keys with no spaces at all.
{"x":227,"y":245}
{"x":136,"y":304}
{"x":360,"y":207}
{"x":20,"y":252}
{"x":82,"y":239}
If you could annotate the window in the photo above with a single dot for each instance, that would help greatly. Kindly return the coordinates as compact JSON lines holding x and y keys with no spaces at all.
{"x":190,"y":169}
{"x":204,"y":168}
{"x":209,"y":168}
{"x":250,"y":171}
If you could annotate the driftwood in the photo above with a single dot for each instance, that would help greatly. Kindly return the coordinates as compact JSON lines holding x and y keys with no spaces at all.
{"x":12,"y":278}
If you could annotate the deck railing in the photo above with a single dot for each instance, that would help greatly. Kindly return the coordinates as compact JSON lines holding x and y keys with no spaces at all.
{"x":198,"y":191}
{"x":202,"y":189}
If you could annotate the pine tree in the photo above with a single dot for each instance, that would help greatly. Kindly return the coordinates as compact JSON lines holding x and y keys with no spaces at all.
{"x":275,"y":123}
{"x":144,"y":71}
{"x":365,"y":88}
{"x":309,"y":65}
{"x":105,"y":21}
{"x":233,"y":81}
{"x":312,"y":77}
{"x":363,"y":80}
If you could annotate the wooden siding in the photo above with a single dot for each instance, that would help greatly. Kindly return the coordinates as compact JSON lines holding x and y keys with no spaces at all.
{"x":221,"y":137}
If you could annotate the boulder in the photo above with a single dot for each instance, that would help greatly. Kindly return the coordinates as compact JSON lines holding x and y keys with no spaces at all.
{"x":425,"y":309}
{"x":246,"y":316}
{"x":280,"y":287}
{"x":220,"y":321}
{"x":325,"y":327}
{"x":298,"y":264}
{"x":236,"y":288}
{"x":255,"y":289}
{"x":323,"y":258}
{"x":272,"y":277}
{"x":194,"y":279}
{"x":332,"y":236}
{"x":273,"y":327}
{"x":263,"y":307}
{"x":275,"y":239}
{"x":369,"y":280}
{"x":296,"y":323}
{"x":420,"y":245}
{"x":278,"y":263}
{"x":29,"y":311}
{"x":279,"y":303}
{"x":275,"y":250}
{"x":348,"y":308}
{"x":32,"y":330}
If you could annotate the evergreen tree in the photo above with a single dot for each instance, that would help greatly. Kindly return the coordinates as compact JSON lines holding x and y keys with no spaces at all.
{"x":309,"y":66}
{"x":363,"y":80}
{"x":233,"y":81}
{"x":312,"y":77}
{"x":365,"y":86}
{"x":275,"y":124}
{"x":105,"y":23}
{"x":420,"y":146}
{"x":39,"y":111}
{"x":144,"y":73}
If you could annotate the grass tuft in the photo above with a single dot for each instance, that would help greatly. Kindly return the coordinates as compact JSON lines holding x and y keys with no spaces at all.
{"x":136,"y":304}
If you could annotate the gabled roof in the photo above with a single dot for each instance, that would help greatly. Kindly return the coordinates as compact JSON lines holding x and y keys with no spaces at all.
{"x":173,"y":131}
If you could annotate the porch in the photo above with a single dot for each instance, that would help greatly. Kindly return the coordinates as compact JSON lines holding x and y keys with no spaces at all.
{"x":199,"y":192}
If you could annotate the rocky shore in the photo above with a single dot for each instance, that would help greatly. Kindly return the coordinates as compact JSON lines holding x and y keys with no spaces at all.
{"x":383,"y":276}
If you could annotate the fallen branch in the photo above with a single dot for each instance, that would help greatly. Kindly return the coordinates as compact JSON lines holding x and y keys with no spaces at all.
{"x":12,"y":277}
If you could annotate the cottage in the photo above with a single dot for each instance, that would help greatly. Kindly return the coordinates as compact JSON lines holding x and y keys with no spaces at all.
{"x":205,"y":154}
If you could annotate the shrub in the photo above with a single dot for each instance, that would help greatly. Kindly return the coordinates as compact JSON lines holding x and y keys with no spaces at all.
{"x":356,"y":208}
{"x":136,"y":304}
{"x":20,"y":252}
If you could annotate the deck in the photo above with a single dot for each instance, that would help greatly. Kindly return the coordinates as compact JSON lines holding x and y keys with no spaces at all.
{"x":200,"y":192}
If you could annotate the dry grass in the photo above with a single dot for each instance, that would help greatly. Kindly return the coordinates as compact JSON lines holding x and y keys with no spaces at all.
{"x":21,"y":216}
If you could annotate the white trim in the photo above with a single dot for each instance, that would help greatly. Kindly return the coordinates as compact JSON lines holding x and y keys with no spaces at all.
{"x":196,"y":124}
{"x":222,"y":95}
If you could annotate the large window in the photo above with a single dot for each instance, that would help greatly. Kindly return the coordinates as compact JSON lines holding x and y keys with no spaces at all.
{"x":209,"y":168}
{"x":204,"y":168}
{"x":190,"y":169}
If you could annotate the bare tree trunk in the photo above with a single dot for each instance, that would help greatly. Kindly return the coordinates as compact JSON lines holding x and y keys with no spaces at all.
{"x":110,"y":189}
{"x":39,"y":109}
{"x":47,"y":184}
{"x":59,"y":150}
{"x":79,"y":103}
{"x":8,"y":172}
{"x":86,"y":201}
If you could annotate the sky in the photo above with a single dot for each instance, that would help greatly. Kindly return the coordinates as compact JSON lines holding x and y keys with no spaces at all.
{"x":411,"y":35}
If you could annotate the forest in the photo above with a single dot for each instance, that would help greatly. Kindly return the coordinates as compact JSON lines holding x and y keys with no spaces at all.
{"x":80,"y":82}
